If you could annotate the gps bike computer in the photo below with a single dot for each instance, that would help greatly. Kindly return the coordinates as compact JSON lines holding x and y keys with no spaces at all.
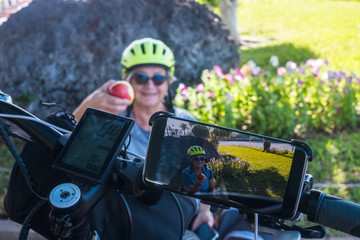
{"x":93,"y":145}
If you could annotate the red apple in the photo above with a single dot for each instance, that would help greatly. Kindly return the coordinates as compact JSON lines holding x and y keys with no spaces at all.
{"x":201,"y":176}
{"x":122,"y":89}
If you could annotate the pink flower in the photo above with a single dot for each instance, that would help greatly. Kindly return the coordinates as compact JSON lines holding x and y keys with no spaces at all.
{"x":200,"y":88}
{"x":197,"y":105}
{"x":300,"y":82}
{"x":338,"y":109}
{"x":229,"y":78}
{"x":211,"y":94}
{"x":315,"y":65}
{"x":181,"y":86}
{"x":184,"y":91}
{"x":301,"y":71}
{"x":238,"y":73}
{"x":218,"y":71}
{"x":281,"y":71}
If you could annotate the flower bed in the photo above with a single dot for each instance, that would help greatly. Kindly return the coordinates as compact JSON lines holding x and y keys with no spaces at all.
{"x":293,"y":101}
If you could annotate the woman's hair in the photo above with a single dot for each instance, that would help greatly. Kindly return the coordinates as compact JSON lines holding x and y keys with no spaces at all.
{"x":168,"y":97}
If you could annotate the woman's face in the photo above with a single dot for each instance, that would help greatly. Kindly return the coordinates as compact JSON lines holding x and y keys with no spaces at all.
{"x":147,"y":93}
{"x":198,"y":160}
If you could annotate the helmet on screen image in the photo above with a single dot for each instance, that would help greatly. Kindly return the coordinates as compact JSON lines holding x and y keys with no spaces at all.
{"x":147,"y":51}
{"x":195,"y":150}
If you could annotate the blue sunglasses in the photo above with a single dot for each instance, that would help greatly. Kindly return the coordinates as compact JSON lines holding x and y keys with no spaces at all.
{"x":142,"y":79}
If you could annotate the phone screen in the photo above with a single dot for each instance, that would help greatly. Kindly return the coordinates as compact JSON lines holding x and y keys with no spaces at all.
{"x":235,"y":168}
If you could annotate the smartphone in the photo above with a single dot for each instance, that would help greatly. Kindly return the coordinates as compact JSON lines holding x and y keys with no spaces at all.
{"x":251,"y":172}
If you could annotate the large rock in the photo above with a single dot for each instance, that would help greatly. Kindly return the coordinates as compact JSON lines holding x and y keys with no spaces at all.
{"x":59,"y":51}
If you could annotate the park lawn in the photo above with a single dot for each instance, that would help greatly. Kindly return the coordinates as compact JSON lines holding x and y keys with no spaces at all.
{"x":259,"y":160}
{"x":298,"y":30}
{"x":269,"y":172}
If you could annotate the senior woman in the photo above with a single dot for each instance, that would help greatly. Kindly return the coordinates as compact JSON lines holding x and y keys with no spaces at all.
{"x":148,"y":65}
{"x":197,"y":177}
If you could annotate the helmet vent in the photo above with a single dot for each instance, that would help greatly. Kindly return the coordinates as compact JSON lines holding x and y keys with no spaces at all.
{"x":143,"y":48}
{"x":154,"y":48}
{"x":164,"y":51}
{"x":133,"y":52}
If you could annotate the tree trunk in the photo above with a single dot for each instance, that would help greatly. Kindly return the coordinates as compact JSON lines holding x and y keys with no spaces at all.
{"x":228,"y":12}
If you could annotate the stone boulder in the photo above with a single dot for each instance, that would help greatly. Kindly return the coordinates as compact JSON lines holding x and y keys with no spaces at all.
{"x":59,"y":51}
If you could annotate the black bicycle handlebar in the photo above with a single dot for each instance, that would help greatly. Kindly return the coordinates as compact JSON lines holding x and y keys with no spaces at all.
{"x":325,"y":209}
{"x":46,"y":136}
{"x":331,"y":211}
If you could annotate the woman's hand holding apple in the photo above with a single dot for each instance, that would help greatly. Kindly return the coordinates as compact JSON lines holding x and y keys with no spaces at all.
{"x":200,"y":179}
{"x":122,"y":89}
{"x":101,"y":99}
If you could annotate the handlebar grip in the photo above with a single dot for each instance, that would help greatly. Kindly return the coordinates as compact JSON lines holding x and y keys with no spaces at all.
{"x":332,"y":211}
{"x":340,"y":214}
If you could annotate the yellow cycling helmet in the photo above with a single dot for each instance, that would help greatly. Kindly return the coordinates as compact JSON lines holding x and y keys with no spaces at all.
{"x":195,"y":150}
{"x":147,"y":51}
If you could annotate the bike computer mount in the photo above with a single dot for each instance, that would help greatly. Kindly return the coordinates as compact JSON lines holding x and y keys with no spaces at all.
{"x":96,"y":141}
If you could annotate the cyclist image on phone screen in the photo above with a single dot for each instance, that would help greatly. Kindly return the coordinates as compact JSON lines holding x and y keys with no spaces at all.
{"x":197,"y":177}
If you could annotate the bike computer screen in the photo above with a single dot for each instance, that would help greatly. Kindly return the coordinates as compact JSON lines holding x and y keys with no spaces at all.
{"x":93,"y":145}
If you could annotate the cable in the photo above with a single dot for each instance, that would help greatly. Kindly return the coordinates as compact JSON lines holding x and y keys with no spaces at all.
{"x":180,"y":212}
{"x":128,"y":213}
{"x":26,"y":224}
{"x":136,"y":155}
{"x":128,"y":144}
{"x":3,"y":115}
{"x":34,"y":188}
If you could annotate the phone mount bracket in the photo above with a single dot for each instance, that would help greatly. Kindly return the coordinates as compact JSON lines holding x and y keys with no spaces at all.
{"x":159,"y":114}
{"x":304,"y":145}
{"x":278,"y":224}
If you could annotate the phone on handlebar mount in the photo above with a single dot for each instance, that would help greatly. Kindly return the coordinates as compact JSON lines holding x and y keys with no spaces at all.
{"x":256,"y":173}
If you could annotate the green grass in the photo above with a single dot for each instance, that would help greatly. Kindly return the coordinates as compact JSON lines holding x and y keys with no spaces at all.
{"x":303,"y":29}
{"x":6,"y":162}
{"x":336,"y":158}
{"x":268,"y":171}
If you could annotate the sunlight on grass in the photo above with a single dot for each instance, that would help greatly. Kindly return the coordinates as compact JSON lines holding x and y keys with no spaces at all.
{"x":268,"y":172}
{"x":328,"y":29}
{"x":259,"y":160}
